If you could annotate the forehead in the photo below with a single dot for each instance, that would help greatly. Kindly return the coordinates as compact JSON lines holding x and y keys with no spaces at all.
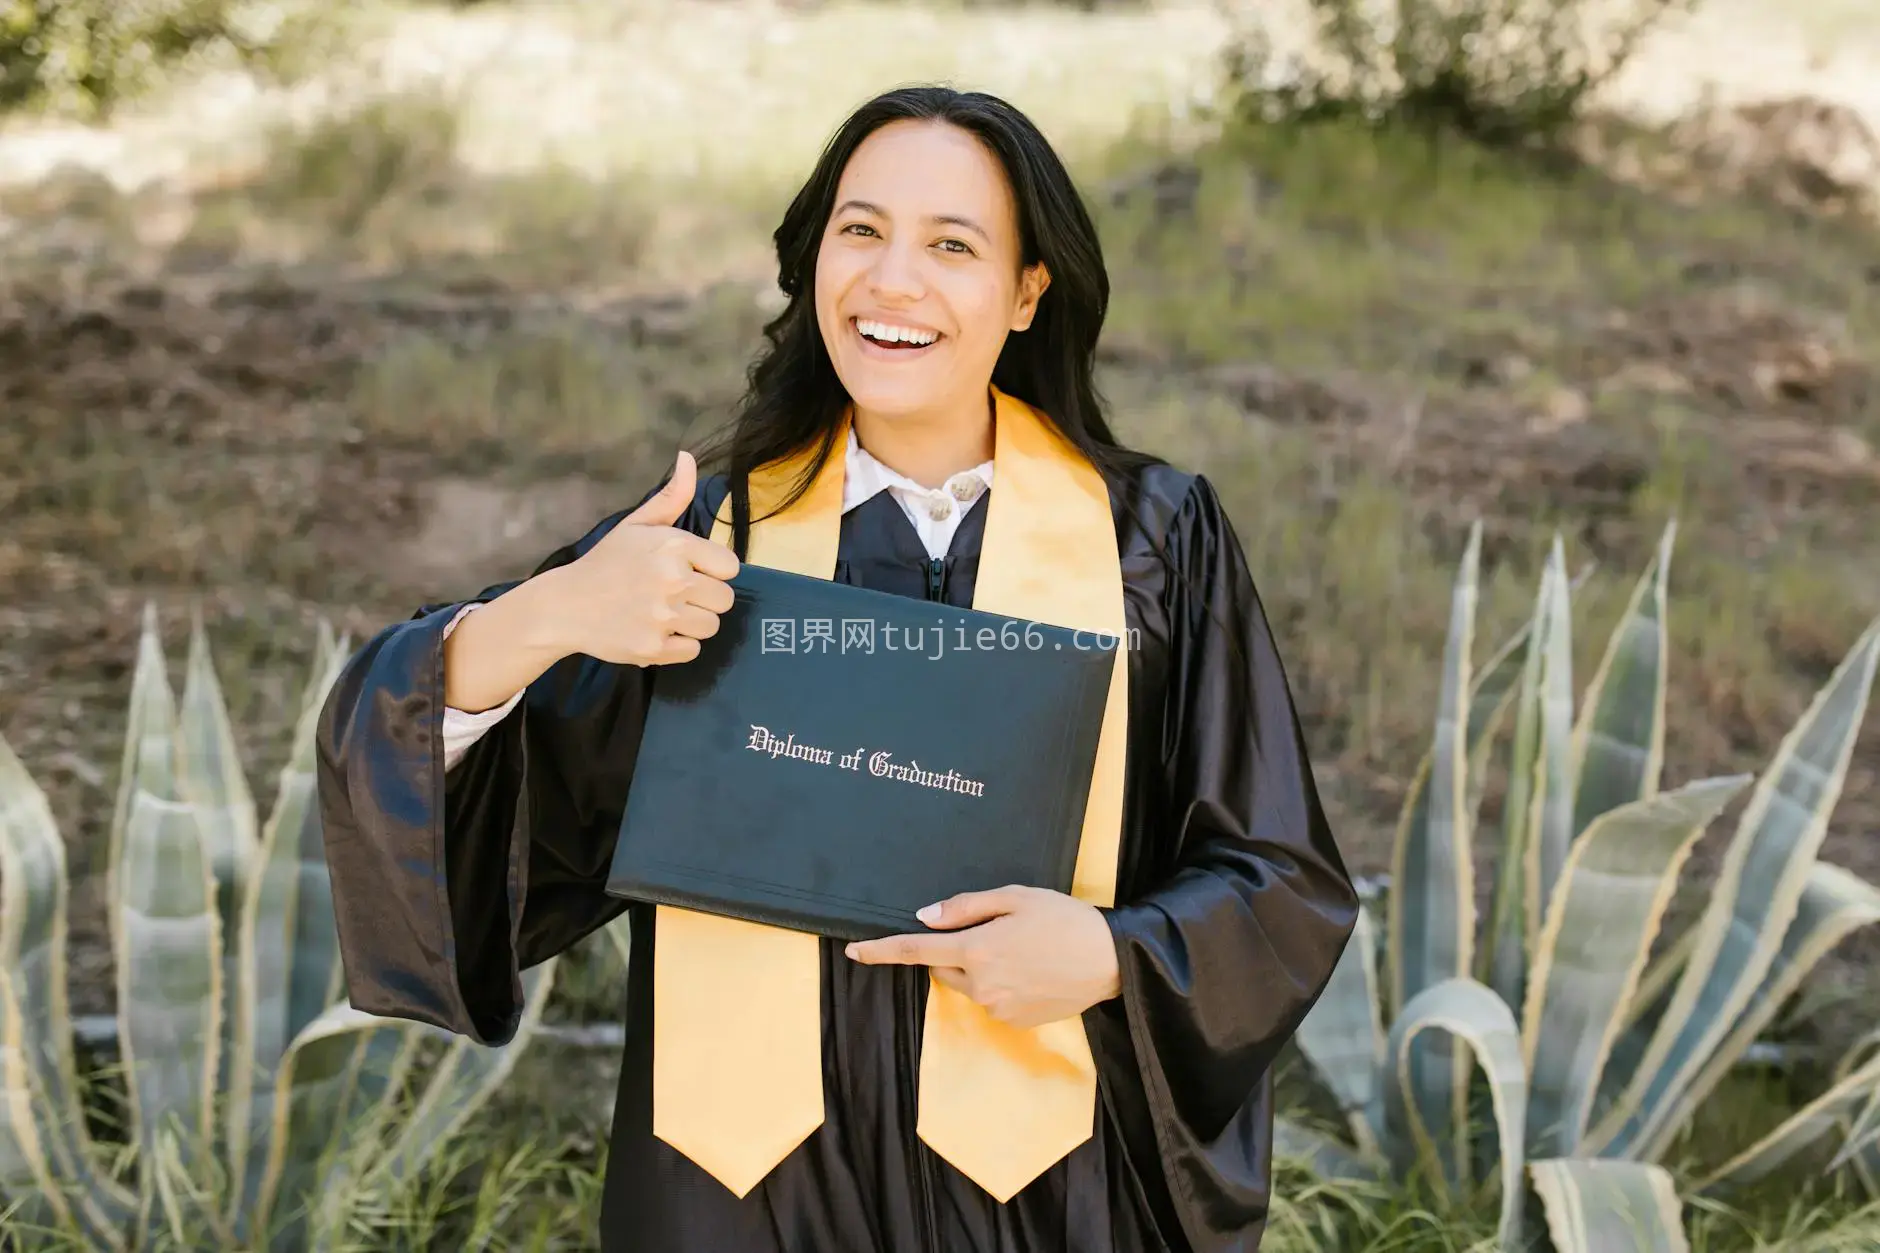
{"x":926,"y":168}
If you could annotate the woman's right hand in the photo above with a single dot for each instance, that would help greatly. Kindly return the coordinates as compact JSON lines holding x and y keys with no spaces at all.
{"x":648,"y":591}
{"x":645,"y":594}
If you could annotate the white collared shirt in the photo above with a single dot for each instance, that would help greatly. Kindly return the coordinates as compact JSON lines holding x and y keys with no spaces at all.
{"x":934,"y":511}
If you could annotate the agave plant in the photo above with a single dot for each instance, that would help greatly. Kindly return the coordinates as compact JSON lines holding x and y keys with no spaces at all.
{"x":1592,"y":1055}
{"x":252,"y":1090}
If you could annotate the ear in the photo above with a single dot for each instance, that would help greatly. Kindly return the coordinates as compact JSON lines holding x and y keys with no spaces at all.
{"x":1032,"y":283}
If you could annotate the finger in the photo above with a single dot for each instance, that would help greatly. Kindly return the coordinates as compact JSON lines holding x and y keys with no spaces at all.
{"x":669,"y":503}
{"x":690,"y":620}
{"x":710,"y":594}
{"x":955,"y":978}
{"x":907,"y":950}
{"x":676,"y":649}
{"x":969,"y":908}
{"x":706,"y":556}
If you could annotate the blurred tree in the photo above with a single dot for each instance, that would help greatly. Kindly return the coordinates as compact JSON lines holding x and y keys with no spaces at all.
{"x":83,"y":57}
{"x":1502,"y":71}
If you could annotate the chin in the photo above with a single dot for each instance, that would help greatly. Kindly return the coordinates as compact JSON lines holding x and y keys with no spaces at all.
{"x":884,"y":394}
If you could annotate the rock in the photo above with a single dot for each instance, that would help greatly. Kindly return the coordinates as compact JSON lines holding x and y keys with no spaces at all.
{"x":1487,"y":369}
{"x":1800,"y":371}
{"x":1849,"y":448}
{"x":1561,"y":407}
{"x":1807,"y":152}
{"x":1650,"y":376}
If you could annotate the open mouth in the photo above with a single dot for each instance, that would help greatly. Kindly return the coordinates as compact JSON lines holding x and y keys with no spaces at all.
{"x":888,"y":337}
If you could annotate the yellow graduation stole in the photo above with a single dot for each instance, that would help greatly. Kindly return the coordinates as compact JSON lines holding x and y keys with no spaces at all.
{"x":737,"y":1018}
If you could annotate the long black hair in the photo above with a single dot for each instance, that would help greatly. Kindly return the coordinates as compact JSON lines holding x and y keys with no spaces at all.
{"x":795,"y":401}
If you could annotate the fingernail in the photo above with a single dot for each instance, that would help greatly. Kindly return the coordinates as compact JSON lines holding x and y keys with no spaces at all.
{"x":929,"y":915}
{"x":849,"y":951}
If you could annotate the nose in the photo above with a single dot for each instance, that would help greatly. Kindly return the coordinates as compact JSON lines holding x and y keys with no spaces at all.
{"x":895,"y":274}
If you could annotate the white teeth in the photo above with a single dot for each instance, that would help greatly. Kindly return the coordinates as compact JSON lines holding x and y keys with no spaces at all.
{"x":888,"y":333}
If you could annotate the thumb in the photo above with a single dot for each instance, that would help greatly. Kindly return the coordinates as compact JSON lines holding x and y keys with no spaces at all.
{"x":968,"y":908}
{"x":669,"y":503}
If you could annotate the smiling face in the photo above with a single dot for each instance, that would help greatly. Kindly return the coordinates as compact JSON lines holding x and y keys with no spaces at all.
{"x":919,"y":277}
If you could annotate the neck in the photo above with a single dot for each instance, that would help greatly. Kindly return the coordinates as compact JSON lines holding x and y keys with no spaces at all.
{"x":929,"y":448}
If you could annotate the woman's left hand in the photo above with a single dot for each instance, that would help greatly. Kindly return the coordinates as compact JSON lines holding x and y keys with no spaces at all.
{"x":1029,"y":955}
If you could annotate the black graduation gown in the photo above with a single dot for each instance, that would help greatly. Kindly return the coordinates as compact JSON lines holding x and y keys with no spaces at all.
{"x":1233,"y":907}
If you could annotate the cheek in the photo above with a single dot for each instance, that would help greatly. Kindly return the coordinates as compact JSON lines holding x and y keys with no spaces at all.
{"x":832,"y":279}
{"x":984,"y":309}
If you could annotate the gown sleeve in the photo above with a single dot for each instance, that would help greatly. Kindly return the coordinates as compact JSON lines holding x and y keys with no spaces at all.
{"x":447,"y":885}
{"x":1248,"y":904}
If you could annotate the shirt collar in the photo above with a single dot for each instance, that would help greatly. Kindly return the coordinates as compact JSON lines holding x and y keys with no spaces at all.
{"x":864,"y":477}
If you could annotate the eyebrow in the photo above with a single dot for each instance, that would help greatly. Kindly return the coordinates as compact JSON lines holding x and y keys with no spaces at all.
{"x":942,"y":219}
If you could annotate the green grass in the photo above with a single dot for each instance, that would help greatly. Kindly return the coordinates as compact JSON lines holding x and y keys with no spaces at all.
{"x":1364,"y":340}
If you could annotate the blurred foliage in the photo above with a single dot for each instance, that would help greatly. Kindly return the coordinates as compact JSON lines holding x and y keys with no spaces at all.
{"x":84,"y":57}
{"x":1506,"y":72}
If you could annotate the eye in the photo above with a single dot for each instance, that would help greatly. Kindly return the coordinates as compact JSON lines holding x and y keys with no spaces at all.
{"x":957,"y":246}
{"x":857,"y":226}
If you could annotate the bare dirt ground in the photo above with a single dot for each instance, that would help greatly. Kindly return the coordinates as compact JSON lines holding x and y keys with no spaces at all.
{"x":349,"y":374}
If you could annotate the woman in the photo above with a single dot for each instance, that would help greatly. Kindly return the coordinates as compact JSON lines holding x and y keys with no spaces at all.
{"x":925,"y":416}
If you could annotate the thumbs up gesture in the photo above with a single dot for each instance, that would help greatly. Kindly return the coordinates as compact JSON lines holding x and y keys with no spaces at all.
{"x":647,"y":592}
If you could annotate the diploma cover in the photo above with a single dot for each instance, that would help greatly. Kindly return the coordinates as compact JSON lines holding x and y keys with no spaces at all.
{"x":836,"y":757}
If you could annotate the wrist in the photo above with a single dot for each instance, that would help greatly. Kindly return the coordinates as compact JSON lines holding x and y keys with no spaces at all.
{"x":546,"y":623}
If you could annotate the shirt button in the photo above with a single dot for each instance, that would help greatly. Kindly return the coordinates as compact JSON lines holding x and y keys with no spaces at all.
{"x":963,"y":489}
{"x":940,"y":509}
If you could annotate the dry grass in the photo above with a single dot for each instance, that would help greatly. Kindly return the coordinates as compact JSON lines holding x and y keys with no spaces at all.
{"x":1368,"y":342}
{"x":402,"y":351}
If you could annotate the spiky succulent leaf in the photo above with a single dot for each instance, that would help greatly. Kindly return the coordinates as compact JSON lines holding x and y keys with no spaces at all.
{"x":1474,"y":1015}
{"x":1550,"y":827}
{"x":1343,"y":1035}
{"x":620,"y":935}
{"x":1619,"y":878}
{"x":1432,"y":918}
{"x":169,"y":944}
{"x":209,"y":766}
{"x":327,"y":1090}
{"x":462,"y":1082}
{"x":1495,"y":686}
{"x":210,"y":778}
{"x":1492,"y":696}
{"x":1619,"y":740}
{"x":169,"y":975}
{"x":1866,"y":1170}
{"x":1862,"y":1132}
{"x":1643,"y":1012}
{"x":1506,"y":940}
{"x":1594,"y":1206}
{"x":1825,"y":1116}
{"x":38,"y":1021}
{"x":1835,"y":904}
{"x":32,"y":1191}
{"x":152,"y":711}
{"x":1756,"y":897}
{"x":270,"y":922}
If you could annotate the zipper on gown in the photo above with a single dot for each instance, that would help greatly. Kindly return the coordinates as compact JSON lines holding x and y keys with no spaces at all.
{"x":923,"y":1178}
